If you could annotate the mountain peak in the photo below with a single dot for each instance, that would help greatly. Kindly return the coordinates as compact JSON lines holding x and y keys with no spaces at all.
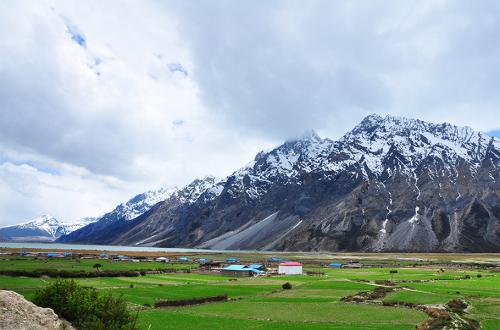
{"x":42,"y":219}
{"x":309,"y":135}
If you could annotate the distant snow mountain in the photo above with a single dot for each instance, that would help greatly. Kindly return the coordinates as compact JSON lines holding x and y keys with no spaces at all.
{"x":390,"y":184}
{"x":44,"y":228}
{"x":118,"y":218}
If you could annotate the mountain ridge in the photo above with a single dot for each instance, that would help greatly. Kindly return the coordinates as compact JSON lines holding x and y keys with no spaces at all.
{"x":389,"y":184}
{"x":43,"y":228}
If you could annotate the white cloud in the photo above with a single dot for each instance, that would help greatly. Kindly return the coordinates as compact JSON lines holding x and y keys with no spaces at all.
{"x":102,"y":100}
{"x":106,"y":106}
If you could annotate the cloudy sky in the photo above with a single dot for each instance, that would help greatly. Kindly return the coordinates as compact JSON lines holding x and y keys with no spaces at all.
{"x":101,"y":100}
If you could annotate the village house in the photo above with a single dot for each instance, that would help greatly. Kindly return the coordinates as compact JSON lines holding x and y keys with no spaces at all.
{"x":290,"y":268}
{"x":162,"y":259}
{"x":241,"y":271}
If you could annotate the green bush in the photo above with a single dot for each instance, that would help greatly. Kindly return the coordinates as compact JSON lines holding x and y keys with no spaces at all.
{"x":287,"y":286}
{"x":85,"y":308}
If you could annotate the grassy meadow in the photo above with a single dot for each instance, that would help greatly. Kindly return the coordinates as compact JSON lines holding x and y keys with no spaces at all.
{"x":314,"y":302}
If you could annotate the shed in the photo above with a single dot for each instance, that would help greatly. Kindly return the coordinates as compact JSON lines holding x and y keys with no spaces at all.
{"x":162,"y":259}
{"x":210,"y":264}
{"x":290,"y":268}
{"x":54,"y":255}
{"x":335,"y":265}
{"x":232,"y":260}
{"x":274,"y":259}
{"x":183,"y":259}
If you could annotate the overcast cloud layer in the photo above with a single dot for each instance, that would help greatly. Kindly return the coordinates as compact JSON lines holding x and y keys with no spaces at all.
{"x":101,"y":100}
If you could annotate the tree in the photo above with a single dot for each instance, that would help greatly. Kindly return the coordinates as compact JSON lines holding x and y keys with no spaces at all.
{"x":97,"y":266}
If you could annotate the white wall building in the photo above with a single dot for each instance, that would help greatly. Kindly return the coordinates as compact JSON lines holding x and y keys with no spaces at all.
{"x":290,"y":268}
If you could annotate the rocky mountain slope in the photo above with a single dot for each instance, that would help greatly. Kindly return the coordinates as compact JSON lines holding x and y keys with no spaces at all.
{"x":45,"y":228}
{"x":102,"y":230}
{"x":390,"y":184}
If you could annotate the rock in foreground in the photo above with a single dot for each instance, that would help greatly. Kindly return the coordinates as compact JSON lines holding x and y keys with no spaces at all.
{"x":17,"y":313}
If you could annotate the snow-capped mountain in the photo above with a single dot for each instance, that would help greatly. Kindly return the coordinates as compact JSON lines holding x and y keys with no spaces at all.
{"x":390,"y":184}
{"x":142,"y":203}
{"x":43,"y":228}
{"x":97,"y":232}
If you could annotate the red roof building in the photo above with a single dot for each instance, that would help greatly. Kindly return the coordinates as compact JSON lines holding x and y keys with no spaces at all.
{"x":290,"y":263}
{"x":290,"y":268}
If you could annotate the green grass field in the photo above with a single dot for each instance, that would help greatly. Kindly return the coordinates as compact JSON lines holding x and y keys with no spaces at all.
{"x":71,"y":264}
{"x":261,"y":303}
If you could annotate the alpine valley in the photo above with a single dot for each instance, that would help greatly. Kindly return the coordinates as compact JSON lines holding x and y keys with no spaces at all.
{"x":390,"y":184}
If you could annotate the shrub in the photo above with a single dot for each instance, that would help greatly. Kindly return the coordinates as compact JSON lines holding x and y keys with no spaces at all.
{"x":287,"y":286}
{"x":479,"y":275}
{"x":85,"y":308}
{"x":188,"y":302}
{"x":393,"y":271}
{"x":467,"y":277}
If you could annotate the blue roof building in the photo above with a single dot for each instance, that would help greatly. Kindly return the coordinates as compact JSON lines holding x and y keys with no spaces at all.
{"x":274,"y":259}
{"x":335,"y":265}
{"x":183,"y":259}
{"x":241,"y":270}
{"x":257,"y":266}
{"x":232,"y":259}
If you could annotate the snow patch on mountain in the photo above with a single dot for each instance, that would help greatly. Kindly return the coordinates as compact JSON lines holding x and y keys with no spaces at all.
{"x":44,"y":226}
{"x":412,"y":140}
{"x":142,"y":203}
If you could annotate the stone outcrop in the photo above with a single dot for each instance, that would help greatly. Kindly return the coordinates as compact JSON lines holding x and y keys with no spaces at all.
{"x":17,"y":313}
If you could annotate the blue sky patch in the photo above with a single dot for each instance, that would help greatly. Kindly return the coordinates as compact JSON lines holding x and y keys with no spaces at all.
{"x":43,"y":169}
{"x":494,"y":133}
{"x":173,"y":67}
{"x":4,"y":159}
{"x":76,"y":35}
